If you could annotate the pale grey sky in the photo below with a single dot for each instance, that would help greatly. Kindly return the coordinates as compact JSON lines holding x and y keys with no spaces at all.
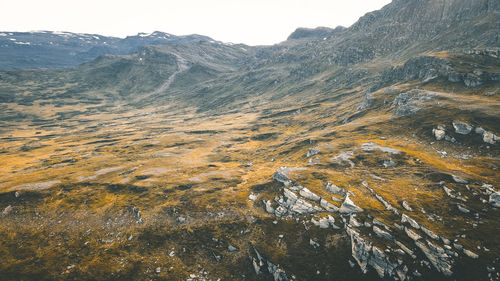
{"x":252,"y":22}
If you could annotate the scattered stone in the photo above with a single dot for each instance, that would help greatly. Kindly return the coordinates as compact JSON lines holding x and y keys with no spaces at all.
{"x":389,"y":163}
{"x":407,"y":206}
{"x":459,"y":179}
{"x":470,"y":254}
{"x":348,"y":207}
{"x":314,"y":244}
{"x":412,"y":234}
{"x":312,"y":152}
{"x":371,"y":146}
{"x":7,"y":210}
{"x":462,"y":128}
{"x":439,"y":133}
{"x":330,"y":187}
{"x":231,"y":248}
{"x":412,"y":222}
{"x":253,"y":197}
{"x":495,"y":199}
{"x":462,"y":209}
{"x":344,"y":158}
{"x":405,"y":249}
{"x":158,"y":270}
{"x":429,"y":233}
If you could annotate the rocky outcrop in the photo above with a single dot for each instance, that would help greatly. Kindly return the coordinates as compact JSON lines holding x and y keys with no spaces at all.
{"x":348,"y":207}
{"x":265,"y":266}
{"x":409,"y":103}
{"x":330,"y":187}
{"x":437,"y":256}
{"x":365,"y":254}
{"x":306,"y":193}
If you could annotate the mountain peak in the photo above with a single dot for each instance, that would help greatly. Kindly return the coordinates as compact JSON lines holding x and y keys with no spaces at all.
{"x":315,"y":33}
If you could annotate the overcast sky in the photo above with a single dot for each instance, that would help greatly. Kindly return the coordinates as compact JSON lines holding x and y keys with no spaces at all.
{"x":252,"y":22}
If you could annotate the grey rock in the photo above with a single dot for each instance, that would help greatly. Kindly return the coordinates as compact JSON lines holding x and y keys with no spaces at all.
{"x":381,"y":233}
{"x":436,"y":255}
{"x":412,"y":234}
{"x":470,"y":254}
{"x":269,"y":207}
{"x":412,"y":222}
{"x":462,"y":128}
{"x":371,"y":146}
{"x":458,"y":179}
{"x":354,"y":222}
{"x":439,"y":134}
{"x":306,"y":193}
{"x":405,"y":249}
{"x":463,"y":209}
{"x":410,"y":102}
{"x":494,"y":199}
{"x":429,"y":233}
{"x":406,"y":206}
{"x":344,"y":157}
{"x":330,"y":187}
{"x":490,"y":138}
{"x":312,"y":152}
{"x":348,"y":207}
{"x":231,"y":248}
{"x":314,"y":244}
{"x":328,"y":206}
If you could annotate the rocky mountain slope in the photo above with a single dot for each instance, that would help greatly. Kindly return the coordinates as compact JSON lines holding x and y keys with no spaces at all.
{"x":370,"y":155}
{"x":46,"y":49}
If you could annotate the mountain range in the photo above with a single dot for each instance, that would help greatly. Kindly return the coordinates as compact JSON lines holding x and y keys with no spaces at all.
{"x":367,"y":152}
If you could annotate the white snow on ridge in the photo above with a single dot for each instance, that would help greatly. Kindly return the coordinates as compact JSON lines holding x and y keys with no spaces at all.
{"x":142,"y":34}
{"x":3,"y":34}
{"x":22,"y":43}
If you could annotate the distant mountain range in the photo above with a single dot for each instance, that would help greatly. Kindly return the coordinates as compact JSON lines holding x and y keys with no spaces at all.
{"x":355,"y":154}
{"x":53,"y":49}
